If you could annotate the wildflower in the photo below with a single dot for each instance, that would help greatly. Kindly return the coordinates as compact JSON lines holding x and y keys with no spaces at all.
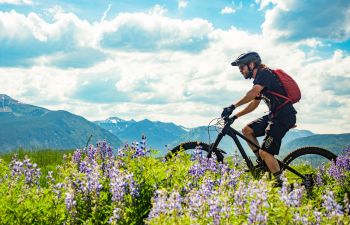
{"x":333,"y":209}
{"x":50,"y":178}
{"x":77,"y":156}
{"x":121,"y":185}
{"x":116,"y":216}
{"x":69,"y":201}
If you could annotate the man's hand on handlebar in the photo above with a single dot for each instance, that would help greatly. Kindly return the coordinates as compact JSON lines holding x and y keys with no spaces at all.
{"x":227,"y":111}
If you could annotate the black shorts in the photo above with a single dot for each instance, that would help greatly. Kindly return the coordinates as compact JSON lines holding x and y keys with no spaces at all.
{"x":274,"y":129}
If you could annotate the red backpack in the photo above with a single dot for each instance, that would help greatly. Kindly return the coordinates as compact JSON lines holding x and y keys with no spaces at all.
{"x":290,"y":86}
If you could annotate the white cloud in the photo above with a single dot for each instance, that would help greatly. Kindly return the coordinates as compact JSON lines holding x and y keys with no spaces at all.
{"x":152,"y":32}
{"x":228,"y":10}
{"x":17,"y":2}
{"x":181,"y":86}
{"x":295,"y":20}
{"x":231,"y":9}
{"x":158,"y":10}
{"x":182,"y":4}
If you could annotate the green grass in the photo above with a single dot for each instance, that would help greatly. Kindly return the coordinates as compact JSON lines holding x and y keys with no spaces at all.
{"x":46,"y":159}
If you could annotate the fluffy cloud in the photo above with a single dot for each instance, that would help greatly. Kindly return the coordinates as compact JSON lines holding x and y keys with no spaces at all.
{"x":25,"y":38}
{"x":160,"y":78}
{"x":297,"y":19}
{"x":152,"y":32}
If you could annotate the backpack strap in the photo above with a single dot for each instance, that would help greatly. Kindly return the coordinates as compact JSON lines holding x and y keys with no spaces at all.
{"x":279,"y":95}
{"x":287,"y":100}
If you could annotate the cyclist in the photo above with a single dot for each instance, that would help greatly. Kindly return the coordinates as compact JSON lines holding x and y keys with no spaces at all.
{"x":274,"y":125}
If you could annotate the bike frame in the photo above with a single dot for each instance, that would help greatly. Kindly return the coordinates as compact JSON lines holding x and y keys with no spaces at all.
{"x":228,"y":130}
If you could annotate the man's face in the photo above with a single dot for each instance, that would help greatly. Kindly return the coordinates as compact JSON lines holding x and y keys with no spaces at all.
{"x":244,"y":70}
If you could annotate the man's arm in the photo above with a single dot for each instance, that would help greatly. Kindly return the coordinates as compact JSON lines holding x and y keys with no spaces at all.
{"x":251,"y":107}
{"x":255,"y":91}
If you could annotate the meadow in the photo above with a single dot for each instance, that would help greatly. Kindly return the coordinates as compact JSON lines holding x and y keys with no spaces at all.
{"x":102,"y":185}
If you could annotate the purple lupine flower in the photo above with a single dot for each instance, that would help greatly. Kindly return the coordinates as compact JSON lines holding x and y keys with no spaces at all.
{"x":158,"y":204}
{"x":93,"y":176}
{"x":339,"y":167}
{"x":102,"y":149}
{"x":214,"y":210}
{"x":50,"y":179}
{"x":17,"y":167}
{"x":143,"y":142}
{"x":197,"y":153}
{"x":174,"y":202}
{"x":301,"y":219}
{"x":195,"y":201}
{"x":30,"y":171}
{"x":83,"y":167}
{"x":230,"y":178}
{"x":236,"y":159}
{"x":116,"y":216}
{"x":240,"y":199}
{"x":295,"y":196}
{"x":258,"y":211}
{"x":319,"y":179}
{"x":57,"y":189}
{"x":121,"y":185}
{"x":333,"y":209}
{"x":165,"y":204}
{"x":336,"y":172}
{"x":79,"y":185}
{"x":69,"y":201}
{"x":77,"y":156}
{"x":318,"y":217}
{"x":197,"y":170}
{"x":109,"y":152}
{"x":91,"y":152}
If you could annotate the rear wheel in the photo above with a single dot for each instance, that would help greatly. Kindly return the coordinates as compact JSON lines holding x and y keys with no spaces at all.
{"x":195,"y":146}
{"x":307,"y":161}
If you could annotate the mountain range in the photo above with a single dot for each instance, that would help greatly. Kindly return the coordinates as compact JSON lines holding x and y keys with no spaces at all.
{"x":162,"y":135}
{"x":33,"y":127}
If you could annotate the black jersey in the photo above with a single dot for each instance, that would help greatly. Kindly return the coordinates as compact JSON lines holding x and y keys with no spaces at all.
{"x":270,"y":81}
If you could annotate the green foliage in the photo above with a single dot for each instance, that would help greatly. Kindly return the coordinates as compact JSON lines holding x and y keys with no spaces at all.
{"x":167,"y":191}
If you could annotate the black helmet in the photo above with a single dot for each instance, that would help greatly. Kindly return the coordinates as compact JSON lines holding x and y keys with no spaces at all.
{"x":246,"y":58}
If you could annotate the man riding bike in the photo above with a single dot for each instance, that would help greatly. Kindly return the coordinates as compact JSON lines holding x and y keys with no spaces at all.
{"x":274,"y":126}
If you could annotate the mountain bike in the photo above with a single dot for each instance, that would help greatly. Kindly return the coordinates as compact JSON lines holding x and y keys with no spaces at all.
{"x":290,"y":163}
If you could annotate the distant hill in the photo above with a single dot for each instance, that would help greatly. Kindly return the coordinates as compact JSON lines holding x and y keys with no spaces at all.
{"x":159,"y":134}
{"x":115,"y":125}
{"x":334,"y":142}
{"x":33,"y":127}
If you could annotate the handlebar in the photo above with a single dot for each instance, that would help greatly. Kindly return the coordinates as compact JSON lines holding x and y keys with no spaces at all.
{"x":230,"y":119}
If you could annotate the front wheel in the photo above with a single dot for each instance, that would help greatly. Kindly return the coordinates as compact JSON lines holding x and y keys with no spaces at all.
{"x":307,"y":160}
{"x":195,"y":145}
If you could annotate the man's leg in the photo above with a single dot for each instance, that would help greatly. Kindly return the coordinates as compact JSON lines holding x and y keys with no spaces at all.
{"x":275,"y":131}
{"x":249,"y":134}
{"x":270,"y":161}
{"x":253,"y":130}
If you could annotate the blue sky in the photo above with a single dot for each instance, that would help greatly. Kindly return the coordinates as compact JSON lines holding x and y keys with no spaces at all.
{"x":170,"y":60}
